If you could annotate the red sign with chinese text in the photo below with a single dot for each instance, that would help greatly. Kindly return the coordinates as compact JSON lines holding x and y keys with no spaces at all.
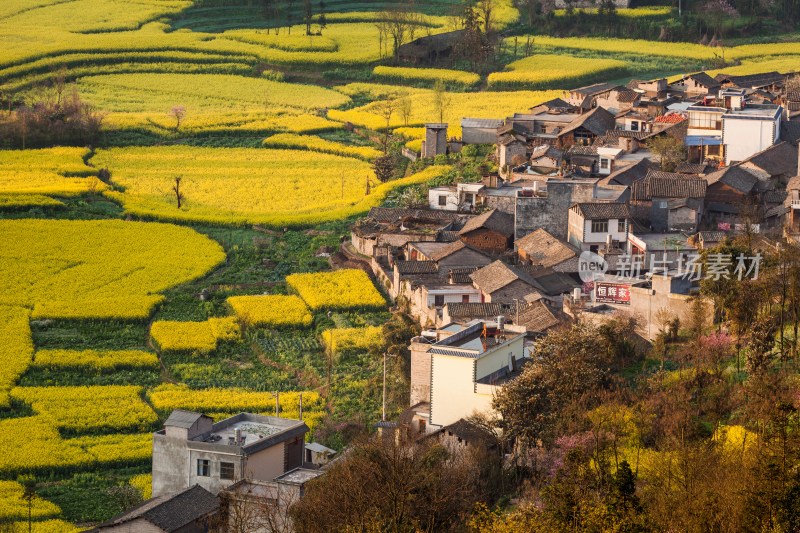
{"x":612,"y":293}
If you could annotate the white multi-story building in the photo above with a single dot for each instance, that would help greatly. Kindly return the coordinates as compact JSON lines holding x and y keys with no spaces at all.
{"x":192,"y":450}
{"x":460,"y":374}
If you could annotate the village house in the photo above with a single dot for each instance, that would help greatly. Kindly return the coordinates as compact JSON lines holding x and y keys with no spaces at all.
{"x":503,"y":283}
{"x":390,"y":228}
{"x":541,"y":249}
{"x":665,"y":201}
{"x":461,"y":197}
{"x":428,"y":291}
{"x":749,"y":130}
{"x":614,"y":98}
{"x":480,"y":130}
{"x":592,"y":225}
{"x":191,"y":510}
{"x":193,"y":450}
{"x":772,"y":82}
{"x":435,"y":142}
{"x":698,"y":84}
{"x":458,"y":375}
{"x":649,"y":249}
{"x":491,"y":232}
{"x":730,"y":189}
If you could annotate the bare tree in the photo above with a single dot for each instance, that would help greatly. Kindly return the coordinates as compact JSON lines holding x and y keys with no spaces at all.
{"x":401,"y":24}
{"x":486,"y":7}
{"x":405,"y":107}
{"x":442,"y":101}
{"x":176,"y":188}
{"x":385,"y":109}
{"x":178,"y":112}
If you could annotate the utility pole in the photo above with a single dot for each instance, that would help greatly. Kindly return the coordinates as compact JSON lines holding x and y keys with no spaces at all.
{"x":383,"y":412}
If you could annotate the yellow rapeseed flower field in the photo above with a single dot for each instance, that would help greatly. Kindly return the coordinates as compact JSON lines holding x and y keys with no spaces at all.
{"x":58,"y":171}
{"x":546,"y":70}
{"x":97,"y":269}
{"x":95,"y":359}
{"x":89,"y":409}
{"x":340,"y":289}
{"x":340,"y":340}
{"x":14,"y":507}
{"x":172,"y":336}
{"x":202,"y":92}
{"x":223,"y":403}
{"x":485,"y":104}
{"x":271,"y":310}
{"x":452,"y":78}
{"x":318,"y":144}
{"x":16,"y":348}
{"x":144,"y":484}
{"x":246,"y":185}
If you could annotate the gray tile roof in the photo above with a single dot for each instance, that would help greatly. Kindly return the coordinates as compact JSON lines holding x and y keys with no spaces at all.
{"x":447,"y":236}
{"x":475,"y":310}
{"x":597,"y":210}
{"x":753,"y":81}
{"x":497,"y":275}
{"x":627,"y":174}
{"x":494,"y":220}
{"x":597,"y":88}
{"x":659,"y":184}
{"x":778,"y":160}
{"x":597,"y":121}
{"x":684,"y":167}
{"x":537,"y":317}
{"x":170,"y":512}
{"x":735,"y":177}
{"x":545,"y":249}
{"x":703,"y":79}
{"x":183,"y":419}
{"x":481,"y":122}
{"x":417,"y":267}
{"x":790,"y":130}
{"x":461,"y":275}
{"x":396,"y":214}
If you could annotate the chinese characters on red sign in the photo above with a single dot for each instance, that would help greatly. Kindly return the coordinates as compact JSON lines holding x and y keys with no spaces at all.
{"x":612,"y":293}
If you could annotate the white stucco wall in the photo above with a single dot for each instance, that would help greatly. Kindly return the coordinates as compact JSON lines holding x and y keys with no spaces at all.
{"x":744,"y":137}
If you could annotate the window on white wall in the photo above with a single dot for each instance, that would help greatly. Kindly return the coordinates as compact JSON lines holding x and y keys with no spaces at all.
{"x":442,"y":201}
{"x":599,"y":226}
{"x":203,"y":468}
{"x":621,"y":226}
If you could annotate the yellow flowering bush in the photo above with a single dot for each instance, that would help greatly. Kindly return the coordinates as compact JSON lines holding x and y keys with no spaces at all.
{"x":339,"y":340}
{"x":173,"y":336}
{"x":97,"y":268}
{"x":144,"y":484}
{"x":16,"y":348}
{"x":14,"y":507}
{"x":544,"y":70}
{"x":271,"y":310}
{"x":317,"y":144}
{"x":89,"y":409}
{"x":341,"y":289}
{"x":95,"y":359}
{"x":452,"y":78}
